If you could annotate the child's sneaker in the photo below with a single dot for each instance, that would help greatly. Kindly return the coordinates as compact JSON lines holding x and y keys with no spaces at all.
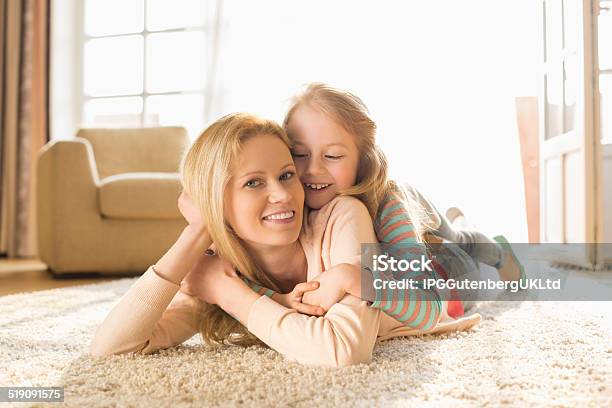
{"x":507,"y":271}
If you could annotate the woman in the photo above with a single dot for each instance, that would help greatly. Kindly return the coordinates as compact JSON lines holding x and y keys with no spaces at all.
{"x":241,"y":175}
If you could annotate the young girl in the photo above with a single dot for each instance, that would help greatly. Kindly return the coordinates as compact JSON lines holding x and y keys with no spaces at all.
{"x":335,"y":153}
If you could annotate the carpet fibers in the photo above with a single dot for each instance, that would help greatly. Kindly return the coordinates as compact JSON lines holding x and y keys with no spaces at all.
{"x":522,"y":354}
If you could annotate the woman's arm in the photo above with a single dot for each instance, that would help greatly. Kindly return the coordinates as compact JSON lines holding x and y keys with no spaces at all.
{"x":344,"y":336}
{"x":152,"y":314}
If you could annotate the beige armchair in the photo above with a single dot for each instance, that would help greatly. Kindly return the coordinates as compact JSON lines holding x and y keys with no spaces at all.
{"x":107,"y":199}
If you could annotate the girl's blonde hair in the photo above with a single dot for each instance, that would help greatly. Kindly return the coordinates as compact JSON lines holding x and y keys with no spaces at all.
{"x":373,"y":184}
{"x":205,"y":171}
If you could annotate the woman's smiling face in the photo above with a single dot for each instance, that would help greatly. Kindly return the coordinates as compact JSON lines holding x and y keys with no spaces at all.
{"x":264,"y":198}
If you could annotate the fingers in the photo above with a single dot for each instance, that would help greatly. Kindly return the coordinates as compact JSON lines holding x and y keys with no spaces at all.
{"x":308,"y":309}
{"x":303,"y":287}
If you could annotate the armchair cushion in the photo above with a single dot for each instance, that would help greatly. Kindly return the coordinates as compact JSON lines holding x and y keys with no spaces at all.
{"x":140,"y":195}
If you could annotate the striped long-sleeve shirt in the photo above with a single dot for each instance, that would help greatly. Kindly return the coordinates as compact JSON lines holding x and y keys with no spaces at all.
{"x":416,"y":308}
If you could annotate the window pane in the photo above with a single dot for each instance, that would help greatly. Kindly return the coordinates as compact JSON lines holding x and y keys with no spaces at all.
{"x":113,"y":111}
{"x":570,"y":65}
{"x":605,"y":88}
{"x":107,"y":17}
{"x":175,"y":61}
{"x":554,"y":30}
{"x":164,"y":14}
{"x":605,"y":37}
{"x":182,"y":110}
{"x":571,"y":24}
{"x":113,"y":66}
{"x":554,"y":100}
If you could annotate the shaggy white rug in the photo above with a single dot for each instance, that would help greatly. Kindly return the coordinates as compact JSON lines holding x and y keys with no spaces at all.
{"x":522,"y":354}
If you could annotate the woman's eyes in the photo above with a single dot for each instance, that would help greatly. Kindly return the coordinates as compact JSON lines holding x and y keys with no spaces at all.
{"x":287,"y":175}
{"x":256,"y":183}
{"x":252,"y":183}
{"x":329,"y":156}
{"x":299,"y":155}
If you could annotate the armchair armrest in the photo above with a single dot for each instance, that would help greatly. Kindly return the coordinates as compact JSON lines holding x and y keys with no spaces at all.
{"x":67,"y":183}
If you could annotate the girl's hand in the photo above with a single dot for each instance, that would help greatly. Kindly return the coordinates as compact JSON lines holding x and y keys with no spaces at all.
{"x":293,"y":299}
{"x":189,"y":210}
{"x":209,"y":279}
{"x":334,"y":284}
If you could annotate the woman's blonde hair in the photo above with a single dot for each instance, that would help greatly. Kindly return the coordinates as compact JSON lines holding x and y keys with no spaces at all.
{"x":373,"y":184}
{"x":205,"y":171}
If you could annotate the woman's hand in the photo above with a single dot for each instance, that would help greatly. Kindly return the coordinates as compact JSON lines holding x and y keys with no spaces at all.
{"x":334,"y":284}
{"x":209,"y":279}
{"x":293,"y":299}
{"x":190,"y":211}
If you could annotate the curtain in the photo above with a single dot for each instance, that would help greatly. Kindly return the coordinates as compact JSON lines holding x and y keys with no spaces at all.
{"x":24,"y":73}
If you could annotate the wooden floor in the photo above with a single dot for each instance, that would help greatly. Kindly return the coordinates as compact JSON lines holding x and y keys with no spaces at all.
{"x":29,"y":275}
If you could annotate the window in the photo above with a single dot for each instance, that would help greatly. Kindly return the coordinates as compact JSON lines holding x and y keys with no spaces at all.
{"x":605,"y":69}
{"x":144,"y":63}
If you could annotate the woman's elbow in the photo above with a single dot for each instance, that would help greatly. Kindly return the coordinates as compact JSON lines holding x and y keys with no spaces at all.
{"x":336,"y":361}
{"x":336,"y":352}
{"x":352,"y":357}
{"x":98,"y":350}
{"x":349,"y":350}
{"x":105,"y":348}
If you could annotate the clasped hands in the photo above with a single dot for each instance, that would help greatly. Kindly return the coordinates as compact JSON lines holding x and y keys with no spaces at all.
{"x":212,"y":278}
{"x":318,"y":295}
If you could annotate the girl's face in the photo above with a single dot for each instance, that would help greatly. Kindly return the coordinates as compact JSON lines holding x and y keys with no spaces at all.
{"x":325,"y":155}
{"x":264,"y":199}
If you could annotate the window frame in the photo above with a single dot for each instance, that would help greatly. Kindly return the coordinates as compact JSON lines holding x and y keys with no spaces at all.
{"x":81,"y":98}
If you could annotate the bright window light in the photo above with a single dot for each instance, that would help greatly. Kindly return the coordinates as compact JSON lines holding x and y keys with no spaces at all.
{"x":110,"y":17}
{"x":114,"y":109}
{"x":605,"y":88}
{"x":175,"y":61}
{"x":177,"y":109}
{"x":605,"y":37}
{"x":114,"y":66}
{"x":164,"y":14}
